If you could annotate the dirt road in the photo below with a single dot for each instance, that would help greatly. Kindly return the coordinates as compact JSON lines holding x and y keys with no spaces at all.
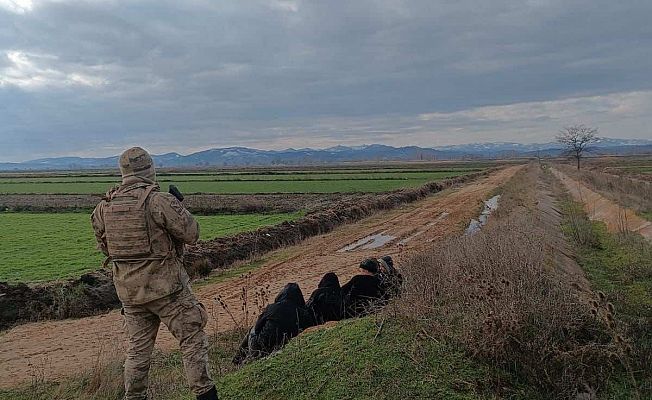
{"x":55,"y":349}
{"x":598,"y":207}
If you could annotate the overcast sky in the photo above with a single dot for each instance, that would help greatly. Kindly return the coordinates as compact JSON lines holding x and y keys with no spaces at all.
{"x":91,"y":77}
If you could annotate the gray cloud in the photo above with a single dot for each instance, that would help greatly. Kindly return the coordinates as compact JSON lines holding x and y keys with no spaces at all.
{"x":90,"y":77}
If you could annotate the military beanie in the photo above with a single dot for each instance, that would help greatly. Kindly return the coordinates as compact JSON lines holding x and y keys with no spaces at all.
{"x":137,"y":162}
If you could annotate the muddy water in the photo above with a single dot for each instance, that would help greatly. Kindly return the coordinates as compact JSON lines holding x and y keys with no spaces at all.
{"x":490,"y":206}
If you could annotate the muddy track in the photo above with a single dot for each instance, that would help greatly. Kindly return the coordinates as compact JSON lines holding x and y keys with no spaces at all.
{"x":55,"y":349}
{"x":598,"y":207}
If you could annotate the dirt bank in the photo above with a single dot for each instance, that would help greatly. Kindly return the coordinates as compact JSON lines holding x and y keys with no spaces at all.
{"x":52,"y":348}
{"x":599,"y":208}
{"x":196,"y":203}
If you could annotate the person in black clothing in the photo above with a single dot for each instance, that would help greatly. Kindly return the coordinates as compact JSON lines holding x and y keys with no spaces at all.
{"x":326,"y":301}
{"x":390,"y":279}
{"x":276,"y":325}
{"x":363,"y":292}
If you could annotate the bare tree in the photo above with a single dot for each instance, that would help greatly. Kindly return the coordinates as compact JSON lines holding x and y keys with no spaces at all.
{"x":576,"y":139}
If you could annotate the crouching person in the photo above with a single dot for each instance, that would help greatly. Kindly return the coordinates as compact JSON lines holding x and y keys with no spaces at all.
{"x":363,"y":294}
{"x":277,"y":324}
{"x":325,"y":303}
{"x":142,"y":231}
{"x":391,"y":279}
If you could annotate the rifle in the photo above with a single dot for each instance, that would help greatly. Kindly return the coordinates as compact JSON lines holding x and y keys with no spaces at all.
{"x":174,"y":191}
{"x":178,"y":245}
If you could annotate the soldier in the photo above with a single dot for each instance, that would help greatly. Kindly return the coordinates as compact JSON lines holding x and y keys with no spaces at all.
{"x":142,"y":232}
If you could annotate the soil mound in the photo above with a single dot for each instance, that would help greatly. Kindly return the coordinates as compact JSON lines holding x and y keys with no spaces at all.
{"x":88,"y":295}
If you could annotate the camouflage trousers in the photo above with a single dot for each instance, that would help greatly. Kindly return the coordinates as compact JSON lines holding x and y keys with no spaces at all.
{"x":185,"y":317}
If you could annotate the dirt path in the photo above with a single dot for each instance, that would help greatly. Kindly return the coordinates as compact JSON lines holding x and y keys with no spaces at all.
{"x":55,"y":349}
{"x":602,"y":209}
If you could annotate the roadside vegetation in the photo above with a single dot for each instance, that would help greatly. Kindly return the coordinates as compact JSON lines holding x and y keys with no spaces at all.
{"x":38,"y":247}
{"x":619,"y":267}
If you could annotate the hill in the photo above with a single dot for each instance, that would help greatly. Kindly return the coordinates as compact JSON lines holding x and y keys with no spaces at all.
{"x":243,"y":156}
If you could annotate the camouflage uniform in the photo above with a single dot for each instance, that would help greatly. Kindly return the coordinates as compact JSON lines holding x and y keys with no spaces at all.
{"x":143,"y":231}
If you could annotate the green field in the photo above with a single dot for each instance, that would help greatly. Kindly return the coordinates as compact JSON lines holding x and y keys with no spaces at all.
{"x":49,"y":246}
{"x":640,"y":169}
{"x":354,"y":181}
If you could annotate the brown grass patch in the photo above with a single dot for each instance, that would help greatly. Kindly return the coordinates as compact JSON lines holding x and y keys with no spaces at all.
{"x":498,"y":294}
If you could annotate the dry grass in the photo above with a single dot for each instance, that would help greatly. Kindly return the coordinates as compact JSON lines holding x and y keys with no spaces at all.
{"x":497,"y":293}
{"x":631,"y":193}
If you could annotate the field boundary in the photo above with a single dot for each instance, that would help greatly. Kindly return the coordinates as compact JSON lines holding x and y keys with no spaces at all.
{"x":94,"y":293}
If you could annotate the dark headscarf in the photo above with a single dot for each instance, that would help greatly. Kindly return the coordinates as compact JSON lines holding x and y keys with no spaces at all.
{"x":330,"y":280}
{"x":284,"y":307}
{"x":291,"y":293}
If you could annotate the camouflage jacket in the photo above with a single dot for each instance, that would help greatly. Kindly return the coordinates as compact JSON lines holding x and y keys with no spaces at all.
{"x":169,"y":226}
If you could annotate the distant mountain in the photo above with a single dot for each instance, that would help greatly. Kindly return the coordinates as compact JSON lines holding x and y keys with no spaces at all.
{"x":499,"y":149}
{"x":243,"y":156}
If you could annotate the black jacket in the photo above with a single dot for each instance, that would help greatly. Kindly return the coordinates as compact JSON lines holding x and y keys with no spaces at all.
{"x":326,"y":301}
{"x":282,"y":320}
{"x":361,"y":294}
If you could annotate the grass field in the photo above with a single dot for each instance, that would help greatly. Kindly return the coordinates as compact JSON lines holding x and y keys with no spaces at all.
{"x":49,"y":246}
{"x":369,"y":181}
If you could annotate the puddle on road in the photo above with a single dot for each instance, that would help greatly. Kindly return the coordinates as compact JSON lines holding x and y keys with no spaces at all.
{"x":489,"y":206}
{"x":369,"y":242}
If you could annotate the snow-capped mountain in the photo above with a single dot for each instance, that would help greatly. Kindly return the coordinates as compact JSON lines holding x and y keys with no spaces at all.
{"x":244,"y":156}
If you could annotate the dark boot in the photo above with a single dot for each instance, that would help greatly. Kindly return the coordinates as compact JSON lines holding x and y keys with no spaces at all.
{"x":210,"y":395}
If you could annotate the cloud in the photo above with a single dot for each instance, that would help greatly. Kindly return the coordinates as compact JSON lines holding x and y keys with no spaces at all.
{"x":26,"y":71}
{"x":615,"y":105}
{"x":17,"y":6}
{"x":86,"y":77}
{"x":526,"y":122}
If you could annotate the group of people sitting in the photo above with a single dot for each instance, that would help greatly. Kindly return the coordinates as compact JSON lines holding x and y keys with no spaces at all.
{"x":290,"y":314}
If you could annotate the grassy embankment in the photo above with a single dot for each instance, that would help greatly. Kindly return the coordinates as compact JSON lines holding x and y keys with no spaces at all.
{"x":354,"y":359}
{"x":619,"y":266}
{"x":48,"y":246}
